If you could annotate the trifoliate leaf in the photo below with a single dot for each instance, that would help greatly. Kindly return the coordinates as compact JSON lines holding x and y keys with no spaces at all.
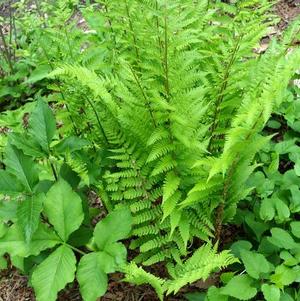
{"x":54,"y":273}
{"x":63,"y":207}
{"x":28,"y":214}
{"x":255,"y":263}
{"x":42,"y":125}
{"x":271,"y":292}
{"x":91,"y":277}
{"x":240,"y":287}
{"x":115,"y":226}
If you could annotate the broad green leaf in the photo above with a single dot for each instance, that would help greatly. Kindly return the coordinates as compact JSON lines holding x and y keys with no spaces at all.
{"x":44,"y":238}
{"x":53,"y":274}
{"x":255,"y":263}
{"x":42,"y":125}
{"x":118,"y":252}
{"x":70,"y":144}
{"x":91,"y":277}
{"x":240,"y":287}
{"x":115,"y":226}
{"x":271,"y":292}
{"x":267,"y":210}
{"x":21,"y":166}
{"x":282,"y":209}
{"x":283,"y":276}
{"x":256,"y":226}
{"x":63,"y":207}
{"x":240,"y":245}
{"x":3,"y":263}
{"x":9,"y":184}
{"x":25,"y":143}
{"x":39,"y":73}
{"x":13,"y":242}
{"x":28,"y":214}
{"x":295,"y":227}
{"x":282,"y":238}
{"x":8,"y":209}
{"x":214,"y":294}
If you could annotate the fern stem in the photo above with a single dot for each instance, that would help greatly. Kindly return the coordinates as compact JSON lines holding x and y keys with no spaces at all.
{"x":221,"y":93}
{"x":221,"y":207}
{"x":98,"y":120}
{"x":76,"y":131}
{"x":167,"y":86}
{"x":144,"y":95}
{"x":132,"y":31}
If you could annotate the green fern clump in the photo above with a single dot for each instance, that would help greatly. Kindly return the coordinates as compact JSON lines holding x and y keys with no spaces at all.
{"x":178,"y":106}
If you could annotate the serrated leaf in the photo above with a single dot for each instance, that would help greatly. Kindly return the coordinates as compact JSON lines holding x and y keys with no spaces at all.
{"x":267,"y":210}
{"x":115,"y":226}
{"x":21,"y":166}
{"x":28,"y":214}
{"x":214,"y":294}
{"x":54,"y":273}
{"x":63,"y":207}
{"x":9,"y":184}
{"x":240,"y":287}
{"x":91,"y":277}
{"x":271,"y":292}
{"x":42,"y":125}
{"x":255,"y":263}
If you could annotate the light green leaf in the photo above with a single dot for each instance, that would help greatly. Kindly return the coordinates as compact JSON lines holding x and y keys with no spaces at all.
{"x":9,"y":184}
{"x":53,"y":274}
{"x":29,"y":146}
{"x":70,"y":144}
{"x":214,"y":294}
{"x":240,"y":287}
{"x":39,"y":73}
{"x":28,"y":214}
{"x":255,"y":263}
{"x":295,"y":227}
{"x":118,"y":252}
{"x":64,"y":209}
{"x":13,"y":242}
{"x":267,"y":210}
{"x":271,"y":292}
{"x":21,"y":166}
{"x":3,"y":263}
{"x":283,"y":276}
{"x":42,"y":125}
{"x":282,"y":238}
{"x":91,"y":277}
{"x":115,"y":226}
